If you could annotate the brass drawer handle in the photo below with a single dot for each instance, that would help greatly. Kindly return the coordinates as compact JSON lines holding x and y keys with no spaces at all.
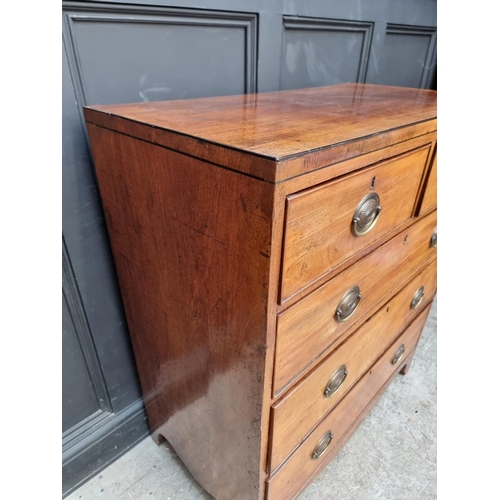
{"x":323,"y":444}
{"x":417,"y":298}
{"x":434,"y":239}
{"x":348,"y":304}
{"x":335,"y":382}
{"x":366,"y":214}
{"x":399,"y":354}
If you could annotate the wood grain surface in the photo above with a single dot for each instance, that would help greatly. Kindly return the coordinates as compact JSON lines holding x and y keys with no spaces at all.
{"x":207,"y":202}
{"x":191,"y":244}
{"x":278,"y":126}
{"x":318,"y":234}
{"x":325,"y":175}
{"x":309,"y":327}
{"x":295,"y":473}
{"x":301,"y":408}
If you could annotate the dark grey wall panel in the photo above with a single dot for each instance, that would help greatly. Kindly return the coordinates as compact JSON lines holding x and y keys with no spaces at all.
{"x":94,"y":313}
{"x":411,"y":12}
{"x":407,"y":57}
{"x":321,"y":52}
{"x":120,"y":54}
{"x":104,"y":444}
{"x":270,"y":40}
{"x":79,"y":400}
{"x":84,"y":388}
{"x":138,"y":50}
{"x":126,"y":54}
{"x":88,"y":251}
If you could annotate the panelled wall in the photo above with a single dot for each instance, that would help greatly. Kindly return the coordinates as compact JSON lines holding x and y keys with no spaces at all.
{"x":133,"y":51}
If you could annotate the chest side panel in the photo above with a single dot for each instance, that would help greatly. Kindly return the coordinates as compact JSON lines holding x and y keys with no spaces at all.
{"x":191,"y":243}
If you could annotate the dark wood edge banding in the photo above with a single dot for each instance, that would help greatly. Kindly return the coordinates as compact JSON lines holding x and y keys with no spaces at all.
{"x":266,"y":168}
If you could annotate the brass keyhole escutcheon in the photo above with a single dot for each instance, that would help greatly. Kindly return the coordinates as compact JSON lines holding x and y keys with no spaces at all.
{"x":366,"y":214}
{"x":348,"y":304}
{"x":336,"y":381}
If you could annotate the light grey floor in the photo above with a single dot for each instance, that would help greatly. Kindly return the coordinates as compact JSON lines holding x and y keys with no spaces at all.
{"x":392,"y":456}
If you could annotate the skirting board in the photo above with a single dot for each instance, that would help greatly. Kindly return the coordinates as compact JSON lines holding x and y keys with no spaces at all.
{"x":109,"y":442}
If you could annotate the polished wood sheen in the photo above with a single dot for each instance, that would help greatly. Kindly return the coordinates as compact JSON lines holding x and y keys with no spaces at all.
{"x":195,"y":294}
{"x":309,"y":327}
{"x":278,"y":126}
{"x":230,"y":226}
{"x":295,"y":414}
{"x":291,"y":478}
{"x":318,"y":235}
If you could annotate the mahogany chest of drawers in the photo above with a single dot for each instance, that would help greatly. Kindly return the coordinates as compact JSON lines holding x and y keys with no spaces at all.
{"x":276,"y":255}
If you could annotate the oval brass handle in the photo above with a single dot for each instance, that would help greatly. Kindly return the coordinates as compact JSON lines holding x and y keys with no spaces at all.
{"x":348,"y":304}
{"x":323,"y":444}
{"x":434,"y":239}
{"x":417,"y":298}
{"x":366,"y":214}
{"x":399,"y":354}
{"x":335,"y":382}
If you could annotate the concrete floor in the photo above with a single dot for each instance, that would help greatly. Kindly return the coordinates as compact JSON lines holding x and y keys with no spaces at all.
{"x":392,"y":456}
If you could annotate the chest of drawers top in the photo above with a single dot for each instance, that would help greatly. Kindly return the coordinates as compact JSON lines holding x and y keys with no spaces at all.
{"x":276,"y":258}
{"x":278,"y":135}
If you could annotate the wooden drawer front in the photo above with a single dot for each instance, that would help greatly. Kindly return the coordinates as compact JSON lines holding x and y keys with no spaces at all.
{"x":318,"y":233}
{"x":297,"y":412}
{"x":309,"y":327}
{"x":296,"y":472}
{"x":429,"y":200}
